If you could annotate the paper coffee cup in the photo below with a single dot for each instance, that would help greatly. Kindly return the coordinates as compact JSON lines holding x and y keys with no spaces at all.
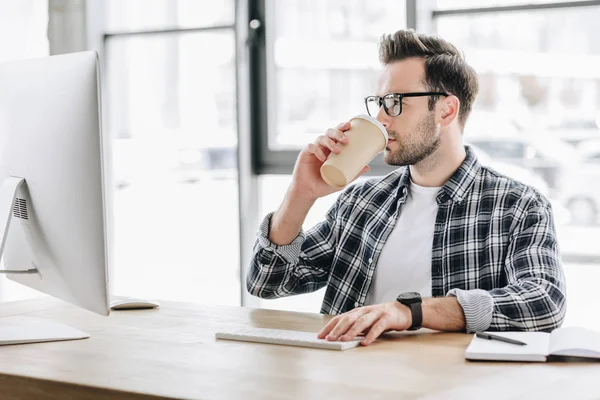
{"x":366,"y":138}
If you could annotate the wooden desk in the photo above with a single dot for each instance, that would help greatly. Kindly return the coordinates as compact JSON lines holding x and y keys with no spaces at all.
{"x":172,"y":352}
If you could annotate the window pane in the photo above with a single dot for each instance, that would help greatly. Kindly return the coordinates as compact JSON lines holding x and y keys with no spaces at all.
{"x":136,"y":15}
{"x":537,"y":118}
{"x":23,"y":29}
{"x":541,"y":86}
{"x":324,"y":61}
{"x":272,"y":188}
{"x":171,"y":113}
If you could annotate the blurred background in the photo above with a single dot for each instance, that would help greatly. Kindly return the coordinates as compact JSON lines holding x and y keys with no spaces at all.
{"x":207,"y":103}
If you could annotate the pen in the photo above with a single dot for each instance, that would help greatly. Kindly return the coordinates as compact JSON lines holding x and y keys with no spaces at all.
{"x":488,"y":336}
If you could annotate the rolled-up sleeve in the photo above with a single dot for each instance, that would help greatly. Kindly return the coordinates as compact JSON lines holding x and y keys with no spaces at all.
{"x":302,"y":266}
{"x":534,"y":299}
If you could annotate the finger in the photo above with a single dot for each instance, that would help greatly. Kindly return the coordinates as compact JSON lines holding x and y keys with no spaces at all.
{"x":344,"y":126}
{"x":336,"y":135}
{"x":328,"y":143}
{"x":344,"y":324}
{"x":317,"y":151}
{"x":360,"y":325}
{"x":377,"y":329}
{"x":334,"y":321}
{"x":325,"y":331}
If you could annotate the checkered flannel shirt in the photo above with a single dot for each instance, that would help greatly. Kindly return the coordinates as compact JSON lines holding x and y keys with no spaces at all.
{"x":494,"y":249}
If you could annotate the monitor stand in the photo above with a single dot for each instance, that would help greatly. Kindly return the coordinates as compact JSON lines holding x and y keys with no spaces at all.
{"x":18,"y":329}
{"x":21,"y":330}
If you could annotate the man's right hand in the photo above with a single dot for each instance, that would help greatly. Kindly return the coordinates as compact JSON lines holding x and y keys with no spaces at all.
{"x":307,"y":180}
{"x":307,"y":185}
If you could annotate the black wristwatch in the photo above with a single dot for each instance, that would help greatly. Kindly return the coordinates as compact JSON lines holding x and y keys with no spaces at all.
{"x":413,"y":301}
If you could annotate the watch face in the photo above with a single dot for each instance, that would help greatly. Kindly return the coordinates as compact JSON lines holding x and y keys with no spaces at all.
{"x":409,"y":296}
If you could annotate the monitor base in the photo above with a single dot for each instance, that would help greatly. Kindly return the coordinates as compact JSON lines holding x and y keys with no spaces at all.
{"x":22,"y":330}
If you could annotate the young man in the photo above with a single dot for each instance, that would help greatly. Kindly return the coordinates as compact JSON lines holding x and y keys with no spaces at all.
{"x":442,"y":242}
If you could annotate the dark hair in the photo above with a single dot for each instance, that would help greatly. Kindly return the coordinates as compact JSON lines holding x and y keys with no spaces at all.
{"x":445,"y":67}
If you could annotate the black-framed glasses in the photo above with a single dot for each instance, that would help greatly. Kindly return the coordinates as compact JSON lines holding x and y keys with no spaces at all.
{"x":392,"y":102}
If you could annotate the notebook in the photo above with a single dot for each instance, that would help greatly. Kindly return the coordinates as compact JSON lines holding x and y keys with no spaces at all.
{"x":573,"y":342}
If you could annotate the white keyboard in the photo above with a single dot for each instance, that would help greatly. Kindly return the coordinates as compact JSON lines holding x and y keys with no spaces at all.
{"x":290,"y":338}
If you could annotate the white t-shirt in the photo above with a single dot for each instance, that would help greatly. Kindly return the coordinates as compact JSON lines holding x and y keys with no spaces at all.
{"x":404,"y":264}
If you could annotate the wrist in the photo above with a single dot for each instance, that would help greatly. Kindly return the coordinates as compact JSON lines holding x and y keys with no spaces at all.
{"x":413,"y":301}
{"x":287,"y":221}
{"x":297,"y":194}
{"x":405,"y":312}
{"x":427,"y":312}
{"x":443,"y":314}
{"x":298,"y":203}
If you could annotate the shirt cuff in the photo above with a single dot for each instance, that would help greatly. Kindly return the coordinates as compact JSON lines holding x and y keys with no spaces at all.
{"x":478,"y":306}
{"x":289,"y":252}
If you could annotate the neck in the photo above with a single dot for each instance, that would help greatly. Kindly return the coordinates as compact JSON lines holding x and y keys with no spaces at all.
{"x":438,"y":168}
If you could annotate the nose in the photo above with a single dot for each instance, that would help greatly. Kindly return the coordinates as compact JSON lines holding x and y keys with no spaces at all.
{"x":383,"y":118}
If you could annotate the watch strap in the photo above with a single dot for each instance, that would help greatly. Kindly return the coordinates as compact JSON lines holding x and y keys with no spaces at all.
{"x":417,"y":315}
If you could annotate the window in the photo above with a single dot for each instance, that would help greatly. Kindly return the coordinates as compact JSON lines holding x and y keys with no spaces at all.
{"x":171,"y":115}
{"x":322,"y":61}
{"x":544,"y":75}
{"x":541,"y":87}
{"x":271,"y":189}
{"x":144,"y":15}
{"x":512,"y":150}
{"x":23,"y":29}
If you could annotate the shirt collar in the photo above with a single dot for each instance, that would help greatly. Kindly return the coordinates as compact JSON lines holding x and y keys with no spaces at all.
{"x":457,"y":187}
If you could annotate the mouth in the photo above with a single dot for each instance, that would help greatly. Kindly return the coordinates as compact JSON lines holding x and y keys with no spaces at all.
{"x":391,"y":136}
{"x":391,"y":139}
{"x":389,"y":145}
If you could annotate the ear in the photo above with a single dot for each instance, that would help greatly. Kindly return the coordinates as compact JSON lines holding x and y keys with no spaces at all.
{"x":449,"y":107}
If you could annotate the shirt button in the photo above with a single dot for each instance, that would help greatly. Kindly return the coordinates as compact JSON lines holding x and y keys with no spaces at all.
{"x":356,"y":304}
{"x":370,"y":261}
{"x":391,"y":217}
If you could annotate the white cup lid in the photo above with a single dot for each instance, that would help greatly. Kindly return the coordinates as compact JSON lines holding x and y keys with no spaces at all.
{"x":376,"y":123}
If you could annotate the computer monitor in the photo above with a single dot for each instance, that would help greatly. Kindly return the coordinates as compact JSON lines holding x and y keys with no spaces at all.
{"x":53,"y":198}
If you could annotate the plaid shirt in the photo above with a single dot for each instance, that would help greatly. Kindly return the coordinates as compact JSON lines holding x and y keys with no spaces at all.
{"x":494,"y":248}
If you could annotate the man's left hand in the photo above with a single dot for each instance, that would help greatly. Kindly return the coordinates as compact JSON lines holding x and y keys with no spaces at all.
{"x":370,"y":320}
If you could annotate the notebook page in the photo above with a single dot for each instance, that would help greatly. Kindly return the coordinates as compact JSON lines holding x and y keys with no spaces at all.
{"x":535,"y":350}
{"x":576,"y":342}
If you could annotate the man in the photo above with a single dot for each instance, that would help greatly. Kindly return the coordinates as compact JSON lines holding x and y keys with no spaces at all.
{"x":442,"y":242}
